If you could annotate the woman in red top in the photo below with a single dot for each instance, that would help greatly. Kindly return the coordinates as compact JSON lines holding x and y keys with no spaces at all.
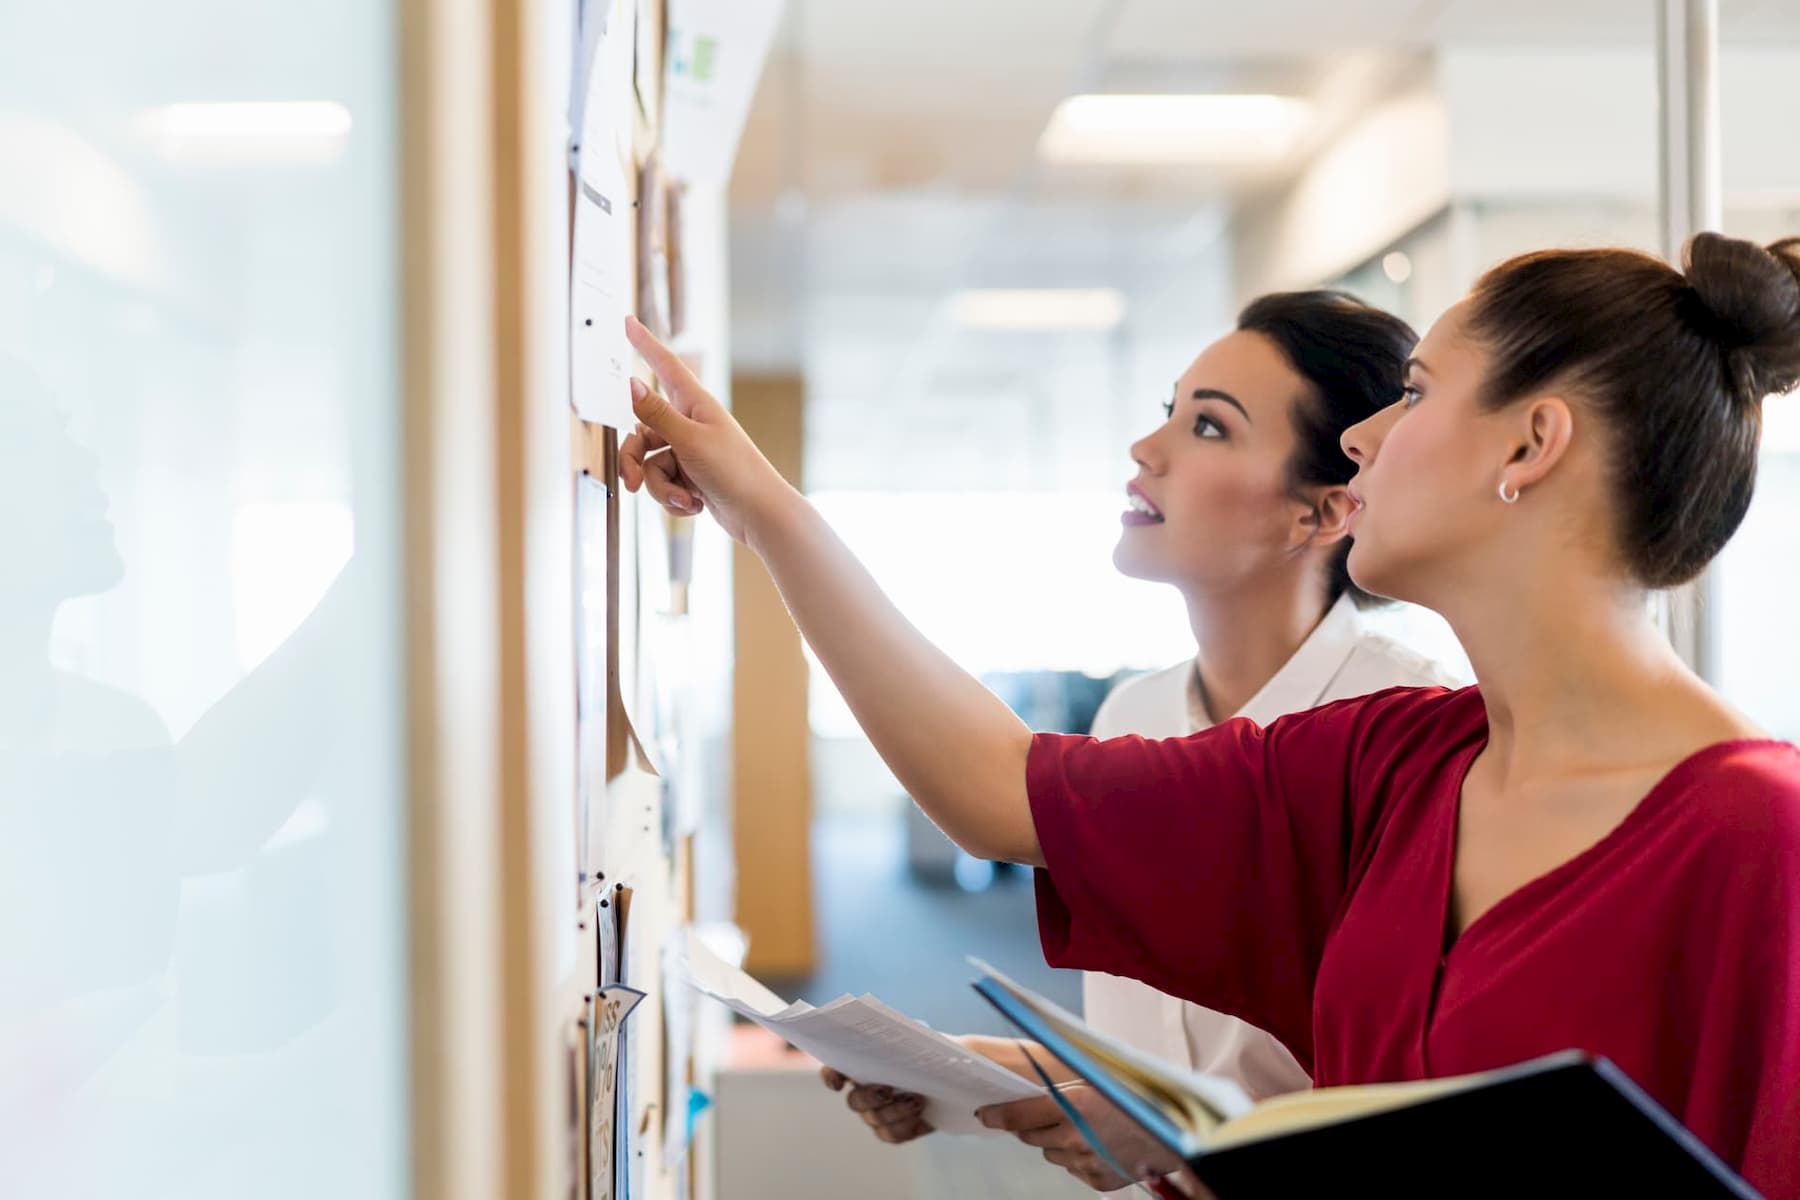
{"x":1590,"y":849}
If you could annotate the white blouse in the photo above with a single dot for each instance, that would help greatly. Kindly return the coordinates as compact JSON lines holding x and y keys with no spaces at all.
{"x":1339,"y":660}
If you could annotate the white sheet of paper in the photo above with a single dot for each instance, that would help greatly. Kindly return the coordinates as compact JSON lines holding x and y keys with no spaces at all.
{"x":656,"y":659}
{"x":715,"y":54}
{"x":590,"y":22}
{"x":711,"y":974}
{"x":590,"y":671}
{"x":647,"y":63}
{"x":633,"y":823}
{"x":871,"y":1043}
{"x":599,"y":370}
{"x":678,"y":1051}
{"x":600,"y":290}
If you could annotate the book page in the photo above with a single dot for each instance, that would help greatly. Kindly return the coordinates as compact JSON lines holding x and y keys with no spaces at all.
{"x":1197,"y":1102}
{"x":1303,"y":1110}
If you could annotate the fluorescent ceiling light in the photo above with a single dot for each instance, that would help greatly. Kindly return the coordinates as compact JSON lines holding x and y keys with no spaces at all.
{"x":1173,"y":129}
{"x":1039,"y":309}
{"x":248,"y":134}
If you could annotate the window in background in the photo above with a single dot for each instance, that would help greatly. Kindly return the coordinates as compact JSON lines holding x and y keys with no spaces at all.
{"x":1754,"y":636}
{"x":1005,"y":582}
{"x":1023,"y":582}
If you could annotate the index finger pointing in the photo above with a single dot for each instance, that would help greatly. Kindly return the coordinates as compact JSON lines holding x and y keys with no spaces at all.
{"x":664,"y":361}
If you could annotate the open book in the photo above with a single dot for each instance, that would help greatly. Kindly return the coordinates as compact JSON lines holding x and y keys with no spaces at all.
{"x":1567,"y":1124}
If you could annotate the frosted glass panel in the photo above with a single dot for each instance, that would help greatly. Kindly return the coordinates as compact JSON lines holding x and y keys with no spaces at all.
{"x":202,"y":886}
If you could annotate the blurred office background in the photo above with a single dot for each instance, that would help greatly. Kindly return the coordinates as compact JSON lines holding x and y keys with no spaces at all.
{"x":985,"y":286}
{"x":985,"y":291}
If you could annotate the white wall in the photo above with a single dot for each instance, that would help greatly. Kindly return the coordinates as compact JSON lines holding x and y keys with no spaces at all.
{"x":1545,"y":146}
{"x":1388,"y":173}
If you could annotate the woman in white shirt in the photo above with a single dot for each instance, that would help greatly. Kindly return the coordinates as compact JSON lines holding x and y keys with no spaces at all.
{"x":1239,"y":502}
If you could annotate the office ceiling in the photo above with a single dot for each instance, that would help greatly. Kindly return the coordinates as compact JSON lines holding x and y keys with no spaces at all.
{"x":890,"y":160}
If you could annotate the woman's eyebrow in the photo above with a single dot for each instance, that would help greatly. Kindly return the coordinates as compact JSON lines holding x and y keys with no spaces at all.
{"x":1227,"y":397}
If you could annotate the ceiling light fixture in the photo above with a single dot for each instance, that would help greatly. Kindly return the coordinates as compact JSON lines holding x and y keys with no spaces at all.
{"x":1173,"y":129}
{"x":1039,"y":309}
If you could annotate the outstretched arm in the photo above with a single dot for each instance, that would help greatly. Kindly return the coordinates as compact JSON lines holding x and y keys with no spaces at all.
{"x":957,"y":749}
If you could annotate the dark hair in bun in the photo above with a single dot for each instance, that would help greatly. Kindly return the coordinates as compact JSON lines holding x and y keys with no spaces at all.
{"x":1676,"y":365}
{"x":1752,"y":301}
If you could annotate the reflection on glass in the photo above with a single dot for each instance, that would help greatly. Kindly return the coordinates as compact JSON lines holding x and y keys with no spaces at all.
{"x":201,"y":866}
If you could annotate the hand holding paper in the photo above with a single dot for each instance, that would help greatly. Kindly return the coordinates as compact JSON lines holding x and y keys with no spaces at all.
{"x":866,"y":1041}
{"x":893,"y":1117}
{"x":1043,"y":1124}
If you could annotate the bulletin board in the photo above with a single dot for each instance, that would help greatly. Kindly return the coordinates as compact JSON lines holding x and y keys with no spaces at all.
{"x":637,"y":1089}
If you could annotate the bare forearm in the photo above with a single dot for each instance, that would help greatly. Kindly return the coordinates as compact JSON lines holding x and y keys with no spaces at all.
{"x":956,"y":748}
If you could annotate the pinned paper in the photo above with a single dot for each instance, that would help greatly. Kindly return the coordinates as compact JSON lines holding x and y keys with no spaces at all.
{"x":634,"y":821}
{"x":715,"y":54}
{"x":678,"y":1049}
{"x":647,"y":69}
{"x":610,"y":1009}
{"x":631,"y":744}
{"x":591,"y":542}
{"x":601,"y":284}
{"x":578,"y":1050}
{"x":653,"y":249}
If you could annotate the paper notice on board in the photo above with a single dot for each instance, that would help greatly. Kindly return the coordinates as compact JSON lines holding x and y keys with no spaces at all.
{"x":590,"y":664}
{"x":633,"y":823}
{"x":590,"y":22}
{"x":648,"y":64}
{"x":602,"y":287}
{"x":678,"y":1050}
{"x":637,"y":607}
{"x":714,"y":56}
{"x":578,"y":1045}
{"x":599,"y":299}
{"x":631,"y":602}
{"x":611,"y":1007}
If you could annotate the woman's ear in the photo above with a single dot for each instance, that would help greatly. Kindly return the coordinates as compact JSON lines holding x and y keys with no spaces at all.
{"x":1328,"y":521}
{"x":1545,"y":428}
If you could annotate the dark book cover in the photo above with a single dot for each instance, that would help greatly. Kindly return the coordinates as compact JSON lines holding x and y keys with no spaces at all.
{"x":1567,"y":1125}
